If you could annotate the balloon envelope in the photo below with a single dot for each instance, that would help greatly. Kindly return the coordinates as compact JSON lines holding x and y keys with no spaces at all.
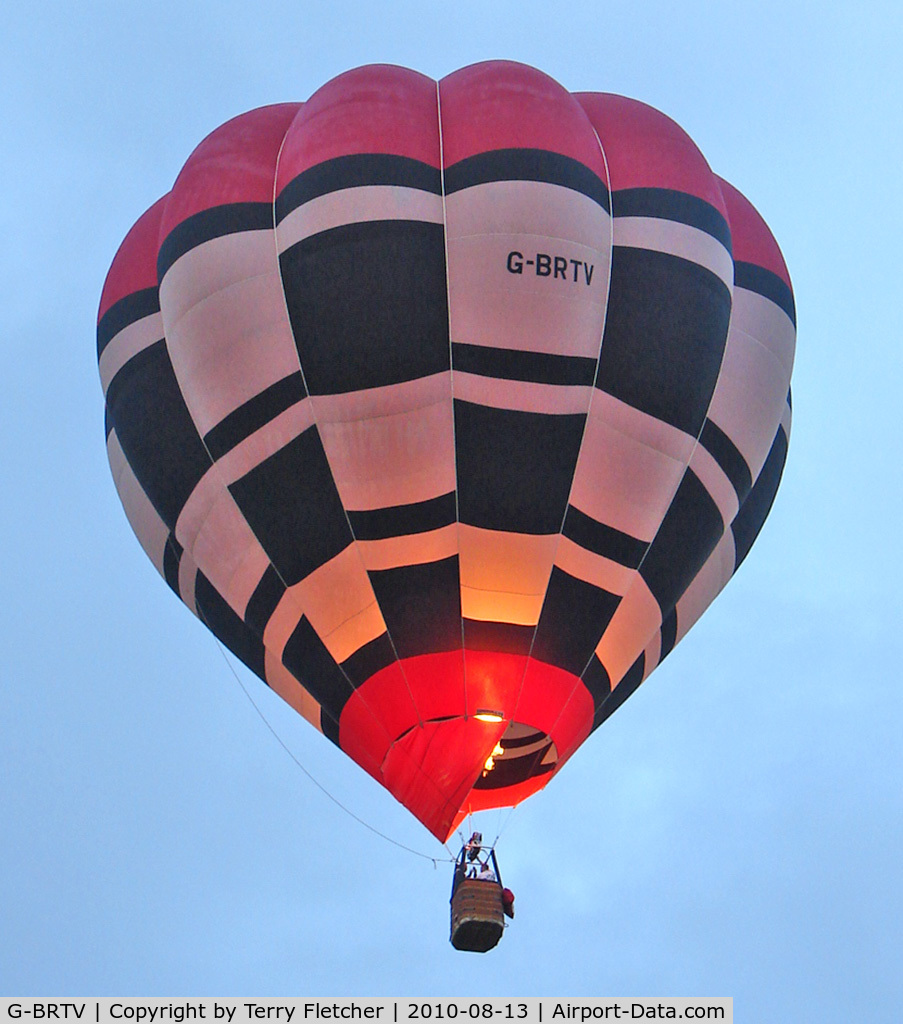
{"x":448,"y":407}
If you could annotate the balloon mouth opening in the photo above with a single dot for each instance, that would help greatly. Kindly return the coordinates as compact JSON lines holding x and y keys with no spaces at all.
{"x":432,"y":748}
{"x":523,"y":752}
{"x":485,"y":715}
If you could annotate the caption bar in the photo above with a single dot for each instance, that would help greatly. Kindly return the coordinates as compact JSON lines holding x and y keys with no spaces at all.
{"x":382,"y":1010}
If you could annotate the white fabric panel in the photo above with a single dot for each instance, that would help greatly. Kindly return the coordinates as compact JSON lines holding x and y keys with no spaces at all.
{"x":128,"y":343}
{"x":264,"y":442}
{"x":492,"y":306}
{"x":212,"y":529}
{"x":228,"y":553}
{"x":504,"y":576}
{"x":586,"y":565}
{"x":707,"y":584}
{"x":786,"y":419}
{"x":675,"y":239}
{"x":522,"y":395}
{"x":390,"y":458}
{"x":719,"y":487}
{"x":410,"y":549}
{"x":497,"y":309}
{"x":633,"y":625}
{"x":652,"y":653}
{"x":749,"y":396}
{"x":148,"y":527}
{"x":227,"y":328}
{"x":550,"y":211}
{"x":290,"y":690}
{"x":629,"y":468}
{"x":767,"y":322}
{"x":339,"y":601}
{"x":357,"y":205}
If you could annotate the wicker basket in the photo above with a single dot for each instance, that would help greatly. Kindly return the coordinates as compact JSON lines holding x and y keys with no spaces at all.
{"x":477,"y":919}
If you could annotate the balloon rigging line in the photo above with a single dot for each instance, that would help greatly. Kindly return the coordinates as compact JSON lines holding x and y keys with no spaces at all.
{"x":505,"y":823}
{"x":586,"y":422}
{"x":451,"y":369}
{"x":436,"y":860}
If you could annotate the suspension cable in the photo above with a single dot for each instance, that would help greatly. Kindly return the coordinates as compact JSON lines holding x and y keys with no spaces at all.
{"x":417,"y":853}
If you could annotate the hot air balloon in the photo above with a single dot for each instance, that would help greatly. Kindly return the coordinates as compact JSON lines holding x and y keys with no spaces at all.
{"x":448,"y":407}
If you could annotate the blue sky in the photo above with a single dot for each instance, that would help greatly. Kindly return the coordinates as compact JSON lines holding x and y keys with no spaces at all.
{"x":735,"y":829}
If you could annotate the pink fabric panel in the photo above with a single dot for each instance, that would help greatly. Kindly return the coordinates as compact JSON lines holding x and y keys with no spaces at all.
{"x":767,"y":323}
{"x":282,"y":623}
{"x":214,"y":266}
{"x":375,"y":109}
{"x":391,"y":445}
{"x":652,"y":653}
{"x":375,"y":403}
{"x":752,"y":239}
{"x":494,"y":229}
{"x":234,"y":164}
{"x":489,"y":303}
{"x":196,"y":509}
{"x":646,"y":149}
{"x":506,"y":562}
{"x":751,"y":392}
{"x":504,"y":105}
{"x":362,"y":718}
{"x":340,"y":604}
{"x":188,"y":578}
{"x":213,"y":531}
{"x":223,"y":309}
{"x":149,"y":528}
{"x":134,"y":266}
